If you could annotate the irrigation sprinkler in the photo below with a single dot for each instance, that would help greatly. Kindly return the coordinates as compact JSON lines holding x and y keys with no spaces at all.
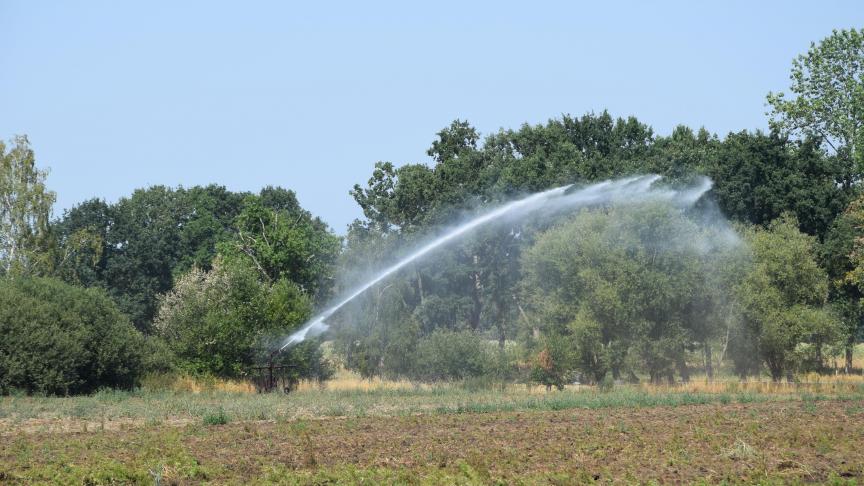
{"x":271,"y":376}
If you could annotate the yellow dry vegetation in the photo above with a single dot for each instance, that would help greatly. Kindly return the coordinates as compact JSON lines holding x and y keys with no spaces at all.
{"x":346,"y":380}
{"x":349,"y":380}
{"x":191,"y":384}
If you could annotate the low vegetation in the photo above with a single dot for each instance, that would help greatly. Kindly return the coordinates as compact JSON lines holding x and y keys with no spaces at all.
{"x":757,"y":432}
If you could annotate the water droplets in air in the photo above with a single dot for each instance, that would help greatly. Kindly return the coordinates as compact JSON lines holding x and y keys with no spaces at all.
{"x":631,"y":190}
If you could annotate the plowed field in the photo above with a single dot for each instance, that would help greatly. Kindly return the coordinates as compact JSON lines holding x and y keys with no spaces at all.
{"x":778,"y":442}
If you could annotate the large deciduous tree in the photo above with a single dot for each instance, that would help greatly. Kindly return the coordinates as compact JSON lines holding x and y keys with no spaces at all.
{"x":843,"y":258}
{"x":828,"y":95}
{"x":758,"y":176}
{"x":25,"y":209}
{"x":782,"y":299}
{"x":628,"y":285}
{"x":138,"y":246}
{"x":286,"y":242}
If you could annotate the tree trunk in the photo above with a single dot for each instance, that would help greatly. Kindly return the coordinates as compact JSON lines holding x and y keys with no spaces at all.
{"x":850,"y":347}
{"x":723,"y":350}
{"x":776,"y":372}
{"x":683,"y":370}
{"x":709,"y":365}
{"x":499,"y":320}
{"x":420,"y":285}
{"x":476,"y":296}
{"x":820,"y":360}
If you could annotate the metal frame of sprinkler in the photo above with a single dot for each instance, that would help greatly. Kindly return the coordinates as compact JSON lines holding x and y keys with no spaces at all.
{"x":271,"y":377}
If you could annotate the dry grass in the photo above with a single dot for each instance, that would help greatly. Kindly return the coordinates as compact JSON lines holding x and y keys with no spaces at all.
{"x":190,"y":384}
{"x":346,"y":380}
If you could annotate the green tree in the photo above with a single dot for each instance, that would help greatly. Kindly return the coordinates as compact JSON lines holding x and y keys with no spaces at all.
{"x":552,"y":365}
{"x":84,"y":243}
{"x":220,"y":321}
{"x":628,"y":282}
{"x":446,"y":355}
{"x":783,"y":298}
{"x":841,"y":258}
{"x":683,"y":154}
{"x":25,"y":210}
{"x":757,"y":177}
{"x":282,"y":244}
{"x":828,"y":89}
{"x":472,"y":283}
{"x":138,"y":246}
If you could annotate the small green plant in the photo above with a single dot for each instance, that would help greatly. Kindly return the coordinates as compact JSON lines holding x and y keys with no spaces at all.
{"x":606,"y":384}
{"x":217,"y":418}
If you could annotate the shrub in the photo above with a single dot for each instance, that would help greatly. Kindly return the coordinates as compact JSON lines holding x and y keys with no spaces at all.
{"x":445,"y":355}
{"x":606,"y":384}
{"x":552,"y":364}
{"x":60,"y":339}
{"x":216,"y":418}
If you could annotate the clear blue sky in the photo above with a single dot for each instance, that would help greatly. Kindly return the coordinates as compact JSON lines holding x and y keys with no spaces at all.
{"x":120,"y":95}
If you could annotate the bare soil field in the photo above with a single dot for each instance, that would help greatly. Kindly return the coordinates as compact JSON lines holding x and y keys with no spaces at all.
{"x":771,"y":442}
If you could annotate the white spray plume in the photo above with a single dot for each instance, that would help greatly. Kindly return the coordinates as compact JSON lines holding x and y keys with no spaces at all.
{"x":628,"y":190}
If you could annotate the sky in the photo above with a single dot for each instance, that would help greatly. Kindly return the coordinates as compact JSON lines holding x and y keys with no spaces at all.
{"x":116,"y":96}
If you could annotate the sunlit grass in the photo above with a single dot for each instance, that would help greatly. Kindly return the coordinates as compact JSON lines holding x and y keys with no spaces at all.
{"x":355,"y":397}
{"x":346,"y":380}
{"x":189,"y":384}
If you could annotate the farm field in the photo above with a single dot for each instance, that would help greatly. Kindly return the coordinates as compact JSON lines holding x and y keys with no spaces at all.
{"x":734,"y":434}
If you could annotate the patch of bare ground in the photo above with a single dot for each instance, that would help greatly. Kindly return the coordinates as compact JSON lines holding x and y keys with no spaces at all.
{"x":781,"y":441}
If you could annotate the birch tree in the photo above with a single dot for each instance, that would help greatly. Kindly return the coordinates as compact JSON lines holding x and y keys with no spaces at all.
{"x":25,"y":208}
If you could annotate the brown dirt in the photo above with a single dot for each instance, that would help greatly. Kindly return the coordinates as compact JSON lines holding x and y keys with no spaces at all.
{"x":793,"y":441}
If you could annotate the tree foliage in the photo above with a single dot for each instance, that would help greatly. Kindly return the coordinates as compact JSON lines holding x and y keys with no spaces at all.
{"x":222,"y":321}
{"x":25,"y":210}
{"x":628,"y":284}
{"x":60,"y":339}
{"x":783,"y":299}
{"x":828,"y":89}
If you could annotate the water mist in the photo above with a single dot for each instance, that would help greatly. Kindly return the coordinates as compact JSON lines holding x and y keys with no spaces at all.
{"x":631,"y":190}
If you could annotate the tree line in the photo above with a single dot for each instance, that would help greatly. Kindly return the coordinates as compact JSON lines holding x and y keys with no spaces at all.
{"x":204,"y":280}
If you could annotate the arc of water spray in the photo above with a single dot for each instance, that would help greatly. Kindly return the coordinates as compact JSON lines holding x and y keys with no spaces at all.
{"x":563,"y":197}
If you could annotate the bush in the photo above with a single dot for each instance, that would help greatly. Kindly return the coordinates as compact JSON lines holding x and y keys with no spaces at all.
{"x":606,"y":384}
{"x":59,"y":339}
{"x":552,"y":365}
{"x":217,"y":418}
{"x":447,"y":355}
